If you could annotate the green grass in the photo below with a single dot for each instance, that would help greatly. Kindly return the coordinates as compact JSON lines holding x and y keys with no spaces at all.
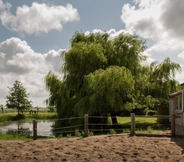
{"x":145,"y":125}
{"x":13,"y":137}
{"x":48,"y":115}
{"x":18,"y":137}
{"x":12,"y":116}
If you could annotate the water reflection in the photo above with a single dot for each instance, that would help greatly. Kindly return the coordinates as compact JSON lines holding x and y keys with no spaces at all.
{"x":44,"y":127}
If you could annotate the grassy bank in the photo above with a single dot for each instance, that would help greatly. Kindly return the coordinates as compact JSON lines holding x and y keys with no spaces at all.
{"x":13,"y":116}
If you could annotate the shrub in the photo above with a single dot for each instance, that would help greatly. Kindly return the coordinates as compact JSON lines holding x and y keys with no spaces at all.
{"x":126,"y":130}
{"x":149,"y":129}
{"x":150,"y":112}
{"x":112,"y":131}
{"x":90,"y":133}
{"x":69,"y":135}
{"x":60,"y":136}
{"x":77,"y":133}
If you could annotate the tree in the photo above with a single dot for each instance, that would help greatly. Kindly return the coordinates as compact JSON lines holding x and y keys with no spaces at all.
{"x":18,"y":98}
{"x":109,"y":92}
{"x":92,"y":61}
{"x":162,"y":82}
{"x":2,"y":108}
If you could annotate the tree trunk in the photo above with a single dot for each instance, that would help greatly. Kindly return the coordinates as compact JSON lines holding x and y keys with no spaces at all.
{"x":114,"y":120}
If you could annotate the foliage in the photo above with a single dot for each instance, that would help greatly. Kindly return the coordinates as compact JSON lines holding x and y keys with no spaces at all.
{"x":2,"y":108}
{"x":105,"y":76}
{"x":13,"y":117}
{"x":77,"y":133}
{"x":149,"y":129}
{"x":150,"y":112}
{"x":13,"y":136}
{"x":108,"y":91}
{"x":69,"y":135}
{"x":18,"y":98}
{"x":60,"y":136}
{"x":112,"y":131}
{"x":126,"y":130}
{"x":161,"y":82}
{"x":51,"y":109}
{"x":98,"y":75}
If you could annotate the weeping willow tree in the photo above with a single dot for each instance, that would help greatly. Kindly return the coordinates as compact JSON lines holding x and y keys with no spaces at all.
{"x":162,"y":82}
{"x":104,"y":76}
{"x":109,"y":92}
{"x":99,"y":75}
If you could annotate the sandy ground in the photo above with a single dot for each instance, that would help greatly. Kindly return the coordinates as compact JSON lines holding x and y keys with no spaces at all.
{"x":116,"y":148}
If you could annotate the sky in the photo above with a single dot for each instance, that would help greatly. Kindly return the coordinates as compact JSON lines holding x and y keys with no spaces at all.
{"x":34,"y":33}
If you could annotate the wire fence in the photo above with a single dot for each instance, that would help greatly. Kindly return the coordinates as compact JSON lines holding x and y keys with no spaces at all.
{"x":153,"y":125}
{"x":90,"y":125}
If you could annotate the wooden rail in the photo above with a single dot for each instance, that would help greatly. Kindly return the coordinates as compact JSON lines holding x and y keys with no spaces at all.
{"x":172,"y":117}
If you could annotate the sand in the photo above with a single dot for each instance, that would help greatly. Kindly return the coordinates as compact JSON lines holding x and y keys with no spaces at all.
{"x":115,"y":148}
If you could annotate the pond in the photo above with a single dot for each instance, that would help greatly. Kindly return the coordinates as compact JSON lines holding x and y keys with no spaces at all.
{"x":44,"y":127}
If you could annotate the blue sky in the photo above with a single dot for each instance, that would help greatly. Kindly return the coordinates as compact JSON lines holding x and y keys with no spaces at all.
{"x":93,"y":14}
{"x":33,"y":34}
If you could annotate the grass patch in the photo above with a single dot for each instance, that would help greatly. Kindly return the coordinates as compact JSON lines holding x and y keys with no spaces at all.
{"x":49,"y":115}
{"x":14,"y":136}
{"x":13,"y":116}
{"x":145,"y":125}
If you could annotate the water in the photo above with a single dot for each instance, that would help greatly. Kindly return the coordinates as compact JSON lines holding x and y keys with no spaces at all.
{"x":44,"y":127}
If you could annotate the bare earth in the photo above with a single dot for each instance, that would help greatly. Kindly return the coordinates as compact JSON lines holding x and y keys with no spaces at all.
{"x":116,"y":148}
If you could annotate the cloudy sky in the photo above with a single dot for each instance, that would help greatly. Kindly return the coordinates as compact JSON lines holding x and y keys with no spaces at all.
{"x":34,"y":33}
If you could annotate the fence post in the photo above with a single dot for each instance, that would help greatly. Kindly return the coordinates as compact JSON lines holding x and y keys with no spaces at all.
{"x":132,"y":124}
{"x":34,"y":130}
{"x":172,"y":124}
{"x":86,"y":125}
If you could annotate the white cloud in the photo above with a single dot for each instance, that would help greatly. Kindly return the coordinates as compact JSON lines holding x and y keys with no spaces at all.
{"x":172,"y":18}
{"x":144,"y":20}
{"x":4,"y":6}
{"x":159,"y":21}
{"x":112,"y":32}
{"x":39,"y":18}
{"x":19,"y":62}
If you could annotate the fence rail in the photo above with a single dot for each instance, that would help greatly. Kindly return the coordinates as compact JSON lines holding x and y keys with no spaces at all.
{"x":171,"y":124}
{"x":87,"y":126}
{"x":99,"y":125}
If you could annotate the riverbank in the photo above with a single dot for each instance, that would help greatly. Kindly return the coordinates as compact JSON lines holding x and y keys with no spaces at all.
{"x":12,"y":116}
{"x":96,"y":148}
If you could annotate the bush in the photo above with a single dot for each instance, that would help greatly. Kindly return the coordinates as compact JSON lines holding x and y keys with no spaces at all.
{"x":149,"y":129}
{"x":90,"y":133}
{"x":112,"y":131}
{"x":19,"y":117}
{"x":77,"y":133}
{"x":60,"y":136}
{"x":150,"y":112}
{"x":126,"y":130}
{"x":69,"y":135}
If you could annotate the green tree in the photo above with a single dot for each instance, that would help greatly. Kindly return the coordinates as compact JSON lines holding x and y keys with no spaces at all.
{"x":18,"y":98}
{"x":92,"y":61}
{"x":2,"y":108}
{"x":162,"y":82}
{"x":109,"y":92}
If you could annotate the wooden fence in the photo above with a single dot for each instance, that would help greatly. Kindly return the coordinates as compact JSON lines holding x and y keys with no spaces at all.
{"x":172,"y":123}
{"x":132,"y":129}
